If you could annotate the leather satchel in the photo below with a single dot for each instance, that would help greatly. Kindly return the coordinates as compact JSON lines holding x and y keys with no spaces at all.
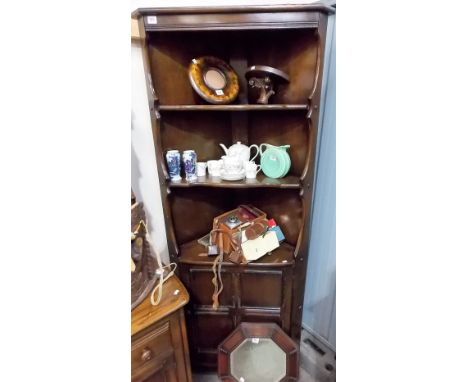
{"x":227,"y":228}
{"x":226,"y":239}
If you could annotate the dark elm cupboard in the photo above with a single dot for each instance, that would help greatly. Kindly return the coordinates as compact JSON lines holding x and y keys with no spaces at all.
{"x":288,"y":37}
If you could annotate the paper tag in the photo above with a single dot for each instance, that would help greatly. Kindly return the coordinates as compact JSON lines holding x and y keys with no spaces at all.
{"x":152,"y":20}
{"x":254,"y":249}
{"x":219,"y":92}
{"x":243,"y":237}
{"x":255,"y":340}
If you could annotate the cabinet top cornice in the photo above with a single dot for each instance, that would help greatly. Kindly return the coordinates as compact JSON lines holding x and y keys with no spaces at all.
{"x":316,"y":7}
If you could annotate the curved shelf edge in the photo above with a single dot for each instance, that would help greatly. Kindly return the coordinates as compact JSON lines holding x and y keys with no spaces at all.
{"x":289,"y":182}
{"x":282,"y":256}
{"x":250,"y":107}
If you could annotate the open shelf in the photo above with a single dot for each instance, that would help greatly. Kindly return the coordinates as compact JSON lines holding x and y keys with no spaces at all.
{"x":233,"y":107}
{"x":288,"y":38}
{"x":281,"y":256}
{"x":170,"y":55}
{"x":261,"y":181}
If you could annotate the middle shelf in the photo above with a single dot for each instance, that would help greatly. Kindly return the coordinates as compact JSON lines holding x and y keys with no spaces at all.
{"x":290,"y":181}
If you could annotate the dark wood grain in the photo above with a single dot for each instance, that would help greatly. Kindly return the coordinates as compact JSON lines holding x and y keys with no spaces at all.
{"x":316,"y":7}
{"x":258,"y":330}
{"x":233,"y":21}
{"x":233,"y":107}
{"x":302,"y":249}
{"x":261,"y":181}
{"x":292,"y":39}
{"x":160,"y":349}
{"x":281,"y":257}
{"x":153,"y":103}
{"x":202,"y":132}
{"x":283,"y":128}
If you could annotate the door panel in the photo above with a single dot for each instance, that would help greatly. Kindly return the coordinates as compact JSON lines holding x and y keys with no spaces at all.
{"x":201,"y":288}
{"x":207,"y":330}
{"x":261,"y":289}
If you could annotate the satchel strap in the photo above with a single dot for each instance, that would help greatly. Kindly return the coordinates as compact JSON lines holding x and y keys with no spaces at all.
{"x":218,"y":261}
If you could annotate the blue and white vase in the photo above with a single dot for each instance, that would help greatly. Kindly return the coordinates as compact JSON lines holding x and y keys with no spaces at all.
{"x":189,"y":158}
{"x":173,"y":164}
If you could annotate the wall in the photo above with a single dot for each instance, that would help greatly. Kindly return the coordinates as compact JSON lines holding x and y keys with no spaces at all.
{"x":319,"y":314}
{"x":144,"y":172}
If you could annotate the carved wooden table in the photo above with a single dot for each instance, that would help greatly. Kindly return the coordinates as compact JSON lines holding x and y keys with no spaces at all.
{"x":159,"y":338}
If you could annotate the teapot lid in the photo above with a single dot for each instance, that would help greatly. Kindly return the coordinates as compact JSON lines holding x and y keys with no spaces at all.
{"x":238,"y":144}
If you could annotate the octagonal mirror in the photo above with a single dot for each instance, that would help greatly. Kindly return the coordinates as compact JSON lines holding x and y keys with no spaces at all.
{"x":259,"y":352}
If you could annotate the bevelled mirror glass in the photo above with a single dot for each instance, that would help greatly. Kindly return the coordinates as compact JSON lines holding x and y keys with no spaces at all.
{"x":258,"y":352}
{"x":259,"y":360}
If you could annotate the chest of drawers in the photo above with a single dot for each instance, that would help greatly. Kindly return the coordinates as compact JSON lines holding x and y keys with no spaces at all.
{"x":159,"y":338}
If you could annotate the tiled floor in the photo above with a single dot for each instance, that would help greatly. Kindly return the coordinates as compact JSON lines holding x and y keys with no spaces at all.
{"x":303,"y":377}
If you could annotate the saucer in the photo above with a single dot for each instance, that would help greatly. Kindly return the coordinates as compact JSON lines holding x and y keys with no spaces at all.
{"x":239,"y":176}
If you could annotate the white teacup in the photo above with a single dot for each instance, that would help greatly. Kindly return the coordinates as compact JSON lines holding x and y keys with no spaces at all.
{"x":251,"y":169}
{"x":232,"y":165}
{"x":214,"y":167}
{"x":201,"y":169}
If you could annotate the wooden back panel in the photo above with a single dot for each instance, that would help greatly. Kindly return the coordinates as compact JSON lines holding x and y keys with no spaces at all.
{"x":282,"y":128}
{"x":292,"y":51}
{"x":199,"y":131}
{"x":170,"y":55}
{"x":194,"y":208}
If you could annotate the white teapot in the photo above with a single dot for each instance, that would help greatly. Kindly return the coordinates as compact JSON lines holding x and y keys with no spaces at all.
{"x":242,"y":152}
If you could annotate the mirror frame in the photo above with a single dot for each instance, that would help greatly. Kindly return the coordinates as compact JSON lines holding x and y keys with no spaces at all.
{"x":258,"y":330}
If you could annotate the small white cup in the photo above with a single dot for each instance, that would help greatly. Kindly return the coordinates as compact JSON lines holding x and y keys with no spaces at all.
{"x":214,"y":167}
{"x":251,"y":169}
{"x":201,"y":169}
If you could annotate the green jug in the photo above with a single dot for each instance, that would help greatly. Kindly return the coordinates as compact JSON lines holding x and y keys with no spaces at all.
{"x":275,"y":161}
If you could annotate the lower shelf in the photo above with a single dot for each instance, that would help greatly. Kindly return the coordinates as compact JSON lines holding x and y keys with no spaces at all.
{"x":282,"y":256}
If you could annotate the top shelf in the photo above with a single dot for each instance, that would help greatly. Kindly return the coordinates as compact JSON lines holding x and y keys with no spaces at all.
{"x":233,"y":107}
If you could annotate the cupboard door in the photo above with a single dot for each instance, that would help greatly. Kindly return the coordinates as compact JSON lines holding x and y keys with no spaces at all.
{"x":201,"y":288}
{"x":207,"y":329}
{"x":265,"y":296}
{"x":261,"y":288}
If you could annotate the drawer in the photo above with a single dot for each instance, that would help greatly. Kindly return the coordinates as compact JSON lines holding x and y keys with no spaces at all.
{"x":152,"y":351}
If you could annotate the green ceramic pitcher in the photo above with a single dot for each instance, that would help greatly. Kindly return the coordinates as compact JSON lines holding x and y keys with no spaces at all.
{"x":274,"y":160}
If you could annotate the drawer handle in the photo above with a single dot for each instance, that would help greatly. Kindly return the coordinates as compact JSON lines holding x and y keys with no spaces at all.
{"x":146,"y":355}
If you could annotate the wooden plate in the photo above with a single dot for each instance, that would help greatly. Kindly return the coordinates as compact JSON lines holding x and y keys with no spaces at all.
{"x":263,"y":70}
{"x":214,"y":80}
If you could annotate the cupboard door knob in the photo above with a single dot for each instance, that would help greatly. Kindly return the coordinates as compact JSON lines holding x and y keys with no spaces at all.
{"x":146,"y":355}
